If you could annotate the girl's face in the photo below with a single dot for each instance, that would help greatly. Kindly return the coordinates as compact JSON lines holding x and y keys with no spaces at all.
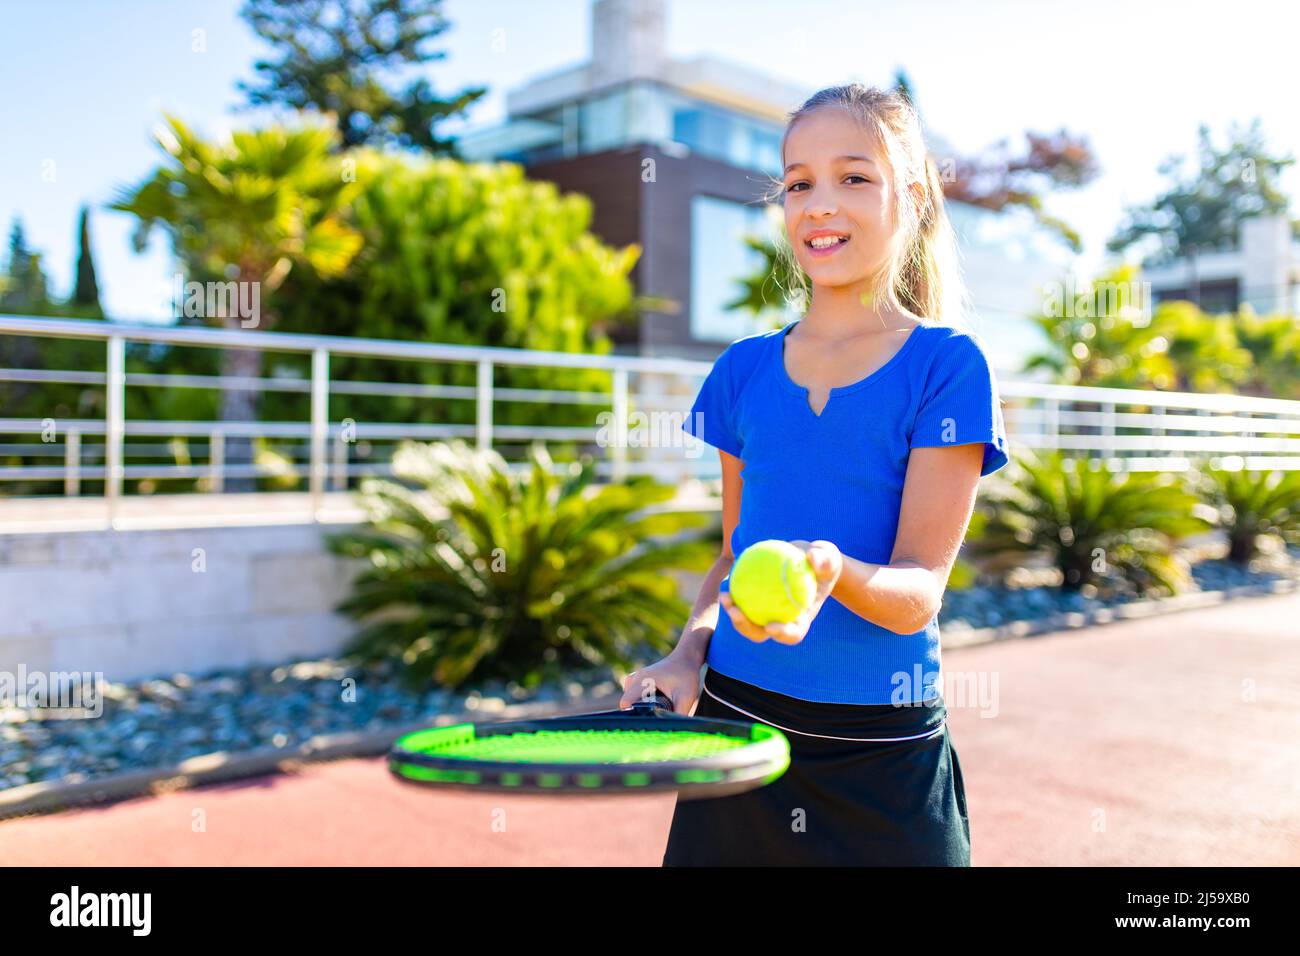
{"x":838,"y":199}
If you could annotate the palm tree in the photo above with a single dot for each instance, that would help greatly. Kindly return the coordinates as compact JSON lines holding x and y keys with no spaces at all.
{"x":1254,"y":503}
{"x":247,"y":210}
{"x":1094,"y":525}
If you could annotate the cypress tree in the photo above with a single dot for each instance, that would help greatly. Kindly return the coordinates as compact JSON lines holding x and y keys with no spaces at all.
{"x":86,"y":295}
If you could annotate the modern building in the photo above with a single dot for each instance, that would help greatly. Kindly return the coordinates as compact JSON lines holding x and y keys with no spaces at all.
{"x":680,"y":156}
{"x":1263,"y":271}
{"x":676,"y":157}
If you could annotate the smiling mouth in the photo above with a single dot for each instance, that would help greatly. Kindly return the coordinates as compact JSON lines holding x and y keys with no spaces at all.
{"x":823,"y":244}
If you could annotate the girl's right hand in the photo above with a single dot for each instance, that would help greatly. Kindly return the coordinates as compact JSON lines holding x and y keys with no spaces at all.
{"x":676,"y":675}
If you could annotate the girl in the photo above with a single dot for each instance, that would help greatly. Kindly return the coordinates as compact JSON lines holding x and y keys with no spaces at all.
{"x":859,"y":432}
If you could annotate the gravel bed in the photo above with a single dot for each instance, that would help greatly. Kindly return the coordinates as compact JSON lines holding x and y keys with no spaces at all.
{"x":990,"y":606}
{"x":158,"y":723}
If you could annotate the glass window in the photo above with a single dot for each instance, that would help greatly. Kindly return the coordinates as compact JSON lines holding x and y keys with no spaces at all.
{"x":649,"y":117}
{"x":603,"y":123}
{"x":767,"y":152}
{"x":703,"y":130}
{"x":646,"y":113}
{"x":719,"y":260}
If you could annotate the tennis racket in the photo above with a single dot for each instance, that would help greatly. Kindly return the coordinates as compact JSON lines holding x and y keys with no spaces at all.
{"x":646,"y":748}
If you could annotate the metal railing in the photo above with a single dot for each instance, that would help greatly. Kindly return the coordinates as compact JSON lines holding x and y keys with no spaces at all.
{"x":1149,"y":430}
{"x":1125,"y":428}
{"x":322,"y":463}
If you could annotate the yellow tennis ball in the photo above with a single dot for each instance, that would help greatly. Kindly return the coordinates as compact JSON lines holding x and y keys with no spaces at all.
{"x":772,"y":582}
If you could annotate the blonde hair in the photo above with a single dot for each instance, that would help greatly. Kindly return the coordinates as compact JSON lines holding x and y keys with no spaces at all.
{"x":924,"y":274}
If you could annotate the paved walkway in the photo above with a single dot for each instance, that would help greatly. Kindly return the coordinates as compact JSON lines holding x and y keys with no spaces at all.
{"x":1166,"y":742}
{"x":153,"y":512}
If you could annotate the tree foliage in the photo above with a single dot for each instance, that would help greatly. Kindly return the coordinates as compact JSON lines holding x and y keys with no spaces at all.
{"x":251,"y":209}
{"x":1001,"y":178}
{"x":342,"y":57}
{"x":1203,"y":206}
{"x":470,"y":254}
{"x":1099,"y":528}
{"x":1273,"y":342}
{"x":1252,"y":504}
{"x":1093,"y":339}
{"x":86,"y":291}
{"x":23,"y":287}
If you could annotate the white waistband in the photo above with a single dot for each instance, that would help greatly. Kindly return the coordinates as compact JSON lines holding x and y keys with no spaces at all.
{"x":865,"y":740}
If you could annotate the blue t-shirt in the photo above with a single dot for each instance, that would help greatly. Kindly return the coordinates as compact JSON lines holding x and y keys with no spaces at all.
{"x":839,"y":476}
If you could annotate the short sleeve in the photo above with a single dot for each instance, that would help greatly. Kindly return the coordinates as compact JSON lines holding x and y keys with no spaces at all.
{"x":712,"y":418}
{"x":960,"y":403}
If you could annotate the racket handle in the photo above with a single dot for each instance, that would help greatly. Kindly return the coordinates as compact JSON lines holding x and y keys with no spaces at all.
{"x":661,"y":702}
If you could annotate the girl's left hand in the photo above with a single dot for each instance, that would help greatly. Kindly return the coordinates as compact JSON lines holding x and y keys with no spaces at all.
{"x":827,"y":564}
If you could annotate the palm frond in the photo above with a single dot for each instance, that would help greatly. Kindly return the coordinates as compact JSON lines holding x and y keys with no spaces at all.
{"x":1099,"y":528}
{"x":473,"y":570}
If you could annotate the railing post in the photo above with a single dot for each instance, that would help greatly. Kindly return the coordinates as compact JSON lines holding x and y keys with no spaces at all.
{"x":217,"y":461}
{"x":1108,"y":430}
{"x":72,"y":463}
{"x":114,"y":425}
{"x":483,"y":398}
{"x":1053,"y":409}
{"x":340,"y":479}
{"x":320,"y":405}
{"x":618,"y":451}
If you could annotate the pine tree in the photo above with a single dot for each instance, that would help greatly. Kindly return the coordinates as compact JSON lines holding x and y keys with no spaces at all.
{"x":343,"y":57}
{"x":904,"y":86}
{"x":18,"y":252}
{"x":24,"y":285}
{"x":22,"y":292}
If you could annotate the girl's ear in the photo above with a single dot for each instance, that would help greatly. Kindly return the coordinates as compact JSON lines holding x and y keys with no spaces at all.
{"x":917,"y":190}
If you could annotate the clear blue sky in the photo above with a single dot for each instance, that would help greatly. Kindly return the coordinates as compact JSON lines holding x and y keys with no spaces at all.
{"x":85,"y":81}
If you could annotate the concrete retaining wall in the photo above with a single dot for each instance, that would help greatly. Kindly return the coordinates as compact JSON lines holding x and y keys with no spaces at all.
{"x":136,"y":604}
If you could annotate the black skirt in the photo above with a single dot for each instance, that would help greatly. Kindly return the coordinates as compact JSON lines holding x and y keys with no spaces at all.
{"x":871,"y":800}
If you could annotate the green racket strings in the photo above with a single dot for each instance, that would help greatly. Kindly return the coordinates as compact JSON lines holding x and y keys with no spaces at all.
{"x":573,"y":746}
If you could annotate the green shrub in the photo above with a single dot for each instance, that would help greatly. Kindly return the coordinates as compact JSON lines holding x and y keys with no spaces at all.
{"x":963,"y":576}
{"x":1099,"y":528}
{"x":480,"y":572}
{"x":463,"y":254}
{"x":1251,"y":504}
{"x":966,"y":573}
